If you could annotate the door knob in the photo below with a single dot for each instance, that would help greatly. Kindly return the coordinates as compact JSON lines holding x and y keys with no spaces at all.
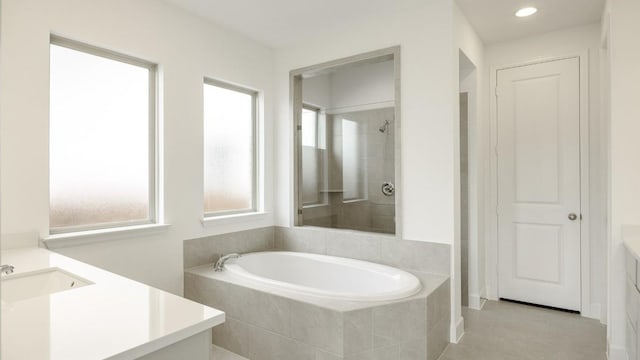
{"x":572,"y":216}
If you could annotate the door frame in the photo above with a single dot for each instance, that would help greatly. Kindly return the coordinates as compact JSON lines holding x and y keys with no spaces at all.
{"x":492,"y":260}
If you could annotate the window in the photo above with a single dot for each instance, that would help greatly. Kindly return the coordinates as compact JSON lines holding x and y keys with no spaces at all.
{"x":353,"y":160}
{"x":229,"y":149}
{"x":101,"y":139}
{"x":311,"y":171}
{"x":309,"y":126}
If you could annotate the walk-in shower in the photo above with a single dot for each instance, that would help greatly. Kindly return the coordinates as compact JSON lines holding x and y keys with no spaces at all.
{"x":347,"y":151}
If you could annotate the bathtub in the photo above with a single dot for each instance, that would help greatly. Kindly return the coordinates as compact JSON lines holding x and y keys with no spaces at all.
{"x":324,"y":276}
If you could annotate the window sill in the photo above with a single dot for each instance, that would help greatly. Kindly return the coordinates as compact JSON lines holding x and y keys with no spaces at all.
{"x":352,"y":201}
{"x":58,"y":241}
{"x":311,"y":206}
{"x":225,"y":219}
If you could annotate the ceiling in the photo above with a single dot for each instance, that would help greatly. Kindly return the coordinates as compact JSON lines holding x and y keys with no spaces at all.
{"x":494,"y":20}
{"x":281,"y":23}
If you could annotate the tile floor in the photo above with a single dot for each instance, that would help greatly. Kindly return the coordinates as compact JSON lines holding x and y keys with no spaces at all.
{"x":509,"y":331}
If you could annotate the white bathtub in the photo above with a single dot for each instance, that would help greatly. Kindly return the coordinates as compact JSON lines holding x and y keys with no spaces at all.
{"x":325,"y":276}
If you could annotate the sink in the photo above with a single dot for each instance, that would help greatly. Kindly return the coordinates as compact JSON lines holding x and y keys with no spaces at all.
{"x":39,"y":283}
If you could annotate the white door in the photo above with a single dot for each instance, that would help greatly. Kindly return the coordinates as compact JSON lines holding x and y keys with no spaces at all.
{"x":538,"y":117}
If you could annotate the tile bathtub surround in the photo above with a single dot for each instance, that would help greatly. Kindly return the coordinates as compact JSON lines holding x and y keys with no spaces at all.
{"x":208,"y":249}
{"x":265,"y":325}
{"x":385,"y":249}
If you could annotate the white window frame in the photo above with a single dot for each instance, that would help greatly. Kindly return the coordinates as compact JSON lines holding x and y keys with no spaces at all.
{"x":153,"y":209}
{"x":322,"y":195}
{"x":255,"y":105}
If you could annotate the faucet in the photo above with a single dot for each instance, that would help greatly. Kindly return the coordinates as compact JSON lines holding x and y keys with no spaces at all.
{"x":223,"y":259}
{"x":6,"y":269}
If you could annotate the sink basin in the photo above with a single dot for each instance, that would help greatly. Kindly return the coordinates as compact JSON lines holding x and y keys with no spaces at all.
{"x":39,"y":283}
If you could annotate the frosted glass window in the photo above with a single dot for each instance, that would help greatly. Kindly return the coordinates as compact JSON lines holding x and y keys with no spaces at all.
{"x":229,"y":149}
{"x":309,"y":127}
{"x":310,"y":157}
{"x":101,"y":162}
{"x":353,"y":160}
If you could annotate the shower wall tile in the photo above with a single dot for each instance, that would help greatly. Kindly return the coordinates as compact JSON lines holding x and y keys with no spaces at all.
{"x":383,"y":223}
{"x":208,"y":249}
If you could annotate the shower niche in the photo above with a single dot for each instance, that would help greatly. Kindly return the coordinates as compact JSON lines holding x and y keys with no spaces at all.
{"x":347,"y":122}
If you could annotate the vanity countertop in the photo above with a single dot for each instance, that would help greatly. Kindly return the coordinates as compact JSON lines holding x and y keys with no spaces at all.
{"x":113,"y":318}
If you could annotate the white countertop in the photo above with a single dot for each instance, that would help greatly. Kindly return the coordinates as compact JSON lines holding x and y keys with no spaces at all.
{"x":631,"y":239}
{"x":114,"y":318}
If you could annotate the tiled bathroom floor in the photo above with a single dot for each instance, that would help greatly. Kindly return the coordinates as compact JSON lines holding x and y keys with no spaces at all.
{"x":509,"y":331}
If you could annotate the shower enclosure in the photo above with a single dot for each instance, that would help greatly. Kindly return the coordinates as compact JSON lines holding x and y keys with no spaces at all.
{"x":346,"y":139}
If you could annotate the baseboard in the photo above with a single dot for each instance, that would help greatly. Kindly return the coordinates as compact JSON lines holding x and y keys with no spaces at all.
{"x":476,"y":302}
{"x":457,"y":330}
{"x":594,"y":312}
{"x":615,"y":353}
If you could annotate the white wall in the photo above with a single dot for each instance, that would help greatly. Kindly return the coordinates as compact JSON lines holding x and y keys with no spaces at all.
{"x":426,"y":66}
{"x":624,"y":50}
{"x":468,"y":42}
{"x":186,"y":48}
{"x":471,"y":80}
{"x":428,"y":135}
{"x":572,"y":41}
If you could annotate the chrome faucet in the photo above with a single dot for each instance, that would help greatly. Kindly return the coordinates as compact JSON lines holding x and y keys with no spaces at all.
{"x":223,"y":259}
{"x":6,"y":269}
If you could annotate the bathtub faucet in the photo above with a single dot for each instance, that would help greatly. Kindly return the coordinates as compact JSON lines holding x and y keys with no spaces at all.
{"x":223,"y":259}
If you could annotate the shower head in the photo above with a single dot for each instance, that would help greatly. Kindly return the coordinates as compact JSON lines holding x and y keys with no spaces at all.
{"x":384,"y":126}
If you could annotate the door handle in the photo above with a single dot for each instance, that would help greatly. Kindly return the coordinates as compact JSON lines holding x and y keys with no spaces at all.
{"x":572,"y":216}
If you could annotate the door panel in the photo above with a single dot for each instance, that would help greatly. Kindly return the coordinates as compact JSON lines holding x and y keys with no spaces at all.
{"x":538,"y":116}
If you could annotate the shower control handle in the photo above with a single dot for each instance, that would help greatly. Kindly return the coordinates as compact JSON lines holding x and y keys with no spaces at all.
{"x":388,"y":189}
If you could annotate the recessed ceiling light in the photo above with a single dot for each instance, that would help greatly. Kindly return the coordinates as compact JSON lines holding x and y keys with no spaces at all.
{"x":528,"y":11}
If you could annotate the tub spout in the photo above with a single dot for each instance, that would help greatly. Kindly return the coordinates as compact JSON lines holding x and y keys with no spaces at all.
{"x":223,"y":259}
